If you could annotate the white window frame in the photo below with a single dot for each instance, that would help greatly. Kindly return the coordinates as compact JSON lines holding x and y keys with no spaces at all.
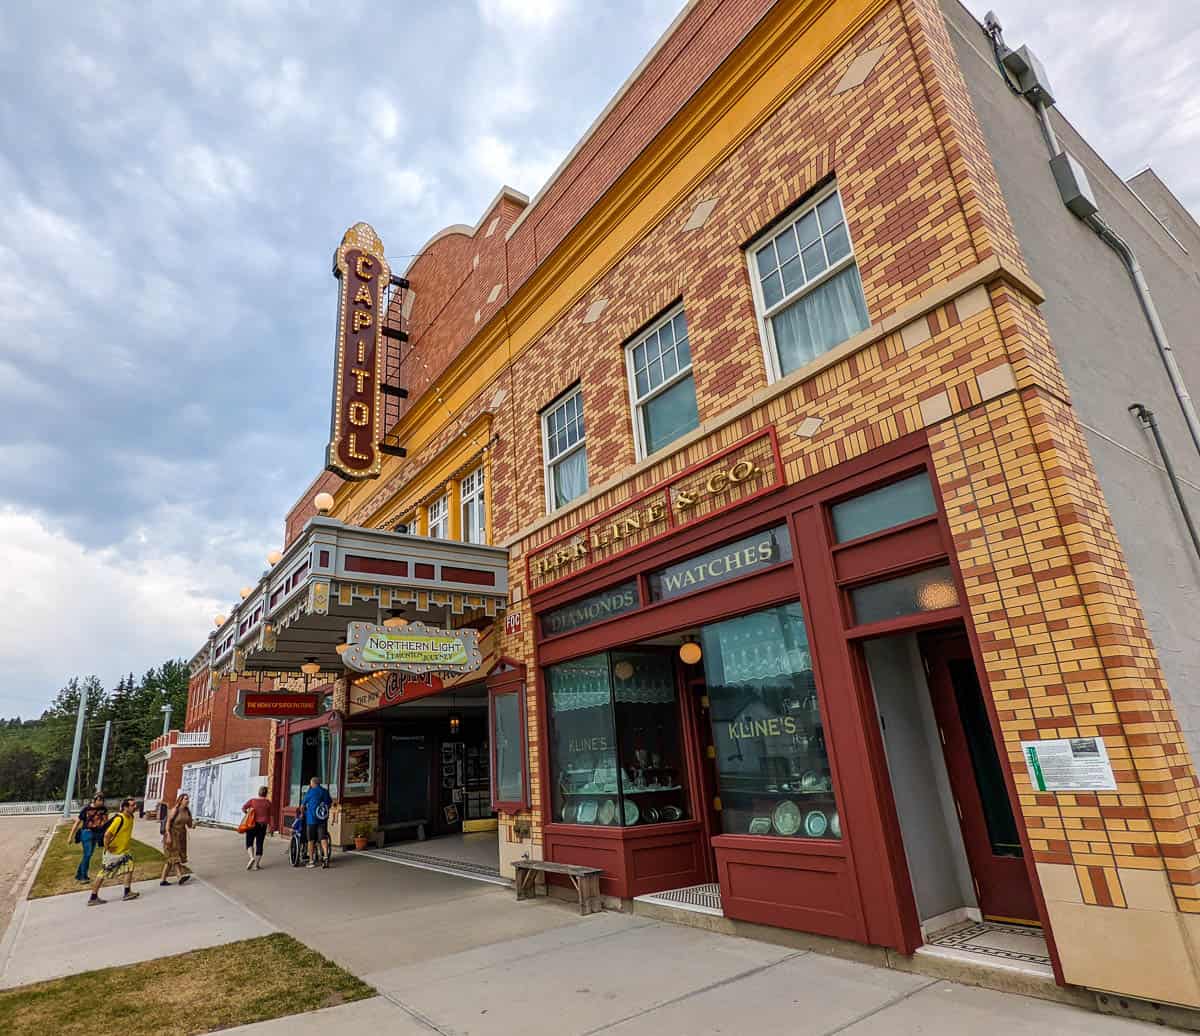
{"x":547,"y":461}
{"x":471,"y":497}
{"x":766,"y":333}
{"x":442,"y":502}
{"x":635,"y":403}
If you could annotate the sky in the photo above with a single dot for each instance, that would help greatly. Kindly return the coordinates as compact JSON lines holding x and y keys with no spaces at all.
{"x":174,"y":179}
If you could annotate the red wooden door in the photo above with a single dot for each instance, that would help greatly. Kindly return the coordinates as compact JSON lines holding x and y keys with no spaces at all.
{"x":703,"y":775}
{"x":989,"y":828}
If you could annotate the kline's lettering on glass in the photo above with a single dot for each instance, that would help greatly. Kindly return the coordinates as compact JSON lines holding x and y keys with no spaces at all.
{"x":363,"y":274}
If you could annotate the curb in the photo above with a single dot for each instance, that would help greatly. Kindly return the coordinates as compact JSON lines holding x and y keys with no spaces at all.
{"x":24,"y":883}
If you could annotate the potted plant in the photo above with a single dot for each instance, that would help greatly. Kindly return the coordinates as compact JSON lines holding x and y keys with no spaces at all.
{"x":362,"y":832}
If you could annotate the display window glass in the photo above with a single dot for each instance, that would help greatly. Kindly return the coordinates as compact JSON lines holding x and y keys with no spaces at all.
{"x":360,"y":762}
{"x":510,"y":784}
{"x":926,"y":591}
{"x":883,"y":508}
{"x":615,"y":747}
{"x":772,"y":761}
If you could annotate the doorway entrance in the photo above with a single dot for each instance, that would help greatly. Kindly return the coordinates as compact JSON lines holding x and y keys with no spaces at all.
{"x":960,"y":835}
{"x":989,"y":828}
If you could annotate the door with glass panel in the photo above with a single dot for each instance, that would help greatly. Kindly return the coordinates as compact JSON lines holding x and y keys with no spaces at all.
{"x":985,"y":812}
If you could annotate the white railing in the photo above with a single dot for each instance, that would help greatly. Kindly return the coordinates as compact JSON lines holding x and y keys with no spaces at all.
{"x":193,"y":739}
{"x":19,"y":809}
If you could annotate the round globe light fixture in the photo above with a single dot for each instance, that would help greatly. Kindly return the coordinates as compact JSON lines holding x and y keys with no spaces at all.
{"x":218,"y":620}
{"x":690,"y":652}
{"x":323,"y":502}
{"x":245,"y":592}
{"x":310,"y":667}
{"x":273,"y":558}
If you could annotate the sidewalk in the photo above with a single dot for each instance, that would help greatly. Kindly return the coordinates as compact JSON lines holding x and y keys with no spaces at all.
{"x":455,"y":956}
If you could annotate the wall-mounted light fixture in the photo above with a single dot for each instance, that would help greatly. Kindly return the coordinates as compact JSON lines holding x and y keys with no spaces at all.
{"x":690,"y":652}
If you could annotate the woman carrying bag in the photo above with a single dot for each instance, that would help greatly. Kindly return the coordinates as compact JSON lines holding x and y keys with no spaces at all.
{"x":254,"y":826}
{"x":175,"y":840}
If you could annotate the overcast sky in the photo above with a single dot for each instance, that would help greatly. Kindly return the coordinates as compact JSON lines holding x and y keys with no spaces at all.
{"x":173,"y":180}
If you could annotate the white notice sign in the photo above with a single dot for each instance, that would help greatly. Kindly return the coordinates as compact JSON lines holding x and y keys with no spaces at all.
{"x":1069,"y":764}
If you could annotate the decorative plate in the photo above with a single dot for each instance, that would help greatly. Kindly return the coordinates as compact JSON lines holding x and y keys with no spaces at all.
{"x":786,"y":818}
{"x":816,"y":824}
{"x":569,"y":812}
{"x":587,"y":812}
{"x":631,"y":813}
{"x":835,"y":825}
{"x":672,"y":813}
{"x":652,"y":815}
{"x":760,"y":826}
{"x":608,"y":812}
{"x":810,"y":780}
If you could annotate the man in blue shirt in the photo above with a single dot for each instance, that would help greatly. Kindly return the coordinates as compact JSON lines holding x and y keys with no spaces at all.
{"x":316,"y":804}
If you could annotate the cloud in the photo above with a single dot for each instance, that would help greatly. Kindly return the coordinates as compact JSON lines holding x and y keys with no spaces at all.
{"x":84,"y":611}
{"x":175,"y":178}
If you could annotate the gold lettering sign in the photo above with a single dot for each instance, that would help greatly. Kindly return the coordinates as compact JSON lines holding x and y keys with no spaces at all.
{"x":735,"y":474}
{"x":356,"y":427}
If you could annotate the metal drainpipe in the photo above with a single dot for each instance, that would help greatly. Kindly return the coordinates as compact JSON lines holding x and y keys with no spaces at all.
{"x":1126,"y":254}
{"x":1146,"y":416}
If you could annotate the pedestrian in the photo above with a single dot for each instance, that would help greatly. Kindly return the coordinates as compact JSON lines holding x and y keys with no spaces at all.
{"x":261,"y":805}
{"x":89,"y":830}
{"x":175,"y":840}
{"x":117,"y":861}
{"x":317,"y":804}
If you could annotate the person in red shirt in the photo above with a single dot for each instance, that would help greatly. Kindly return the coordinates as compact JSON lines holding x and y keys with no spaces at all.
{"x":261,"y":805}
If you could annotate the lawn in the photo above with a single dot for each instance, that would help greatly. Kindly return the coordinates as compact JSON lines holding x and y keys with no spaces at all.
{"x":216,"y":988}
{"x":57,"y":874}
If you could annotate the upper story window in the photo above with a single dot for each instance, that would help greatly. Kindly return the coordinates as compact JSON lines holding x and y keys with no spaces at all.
{"x":806,"y":285}
{"x":474,"y":524}
{"x":439,"y":518}
{"x":565,"y":449}
{"x":661,"y":384}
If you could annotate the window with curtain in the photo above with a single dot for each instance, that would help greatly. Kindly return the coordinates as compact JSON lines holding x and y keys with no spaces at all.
{"x":565,"y":450}
{"x":808,"y":289}
{"x":474,"y":525}
{"x":660,"y":381}
{"x":439,"y":518}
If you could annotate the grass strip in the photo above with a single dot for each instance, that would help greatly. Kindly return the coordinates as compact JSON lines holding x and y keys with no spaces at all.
{"x":57,"y":873}
{"x":215,"y":988}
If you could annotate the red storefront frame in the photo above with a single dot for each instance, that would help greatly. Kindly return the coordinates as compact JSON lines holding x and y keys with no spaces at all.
{"x":855,"y":888}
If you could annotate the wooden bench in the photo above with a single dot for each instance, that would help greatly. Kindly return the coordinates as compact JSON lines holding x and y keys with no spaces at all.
{"x":585,"y":879}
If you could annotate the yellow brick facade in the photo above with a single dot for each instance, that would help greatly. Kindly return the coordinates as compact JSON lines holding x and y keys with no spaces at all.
{"x":956,"y":350}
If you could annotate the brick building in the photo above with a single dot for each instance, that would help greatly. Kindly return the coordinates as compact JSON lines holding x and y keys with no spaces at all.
{"x":211,"y":730}
{"x":787,"y":428}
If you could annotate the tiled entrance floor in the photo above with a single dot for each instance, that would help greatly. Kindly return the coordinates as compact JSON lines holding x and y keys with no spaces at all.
{"x":474,"y":855}
{"x":1016,"y":943}
{"x":700,"y":899}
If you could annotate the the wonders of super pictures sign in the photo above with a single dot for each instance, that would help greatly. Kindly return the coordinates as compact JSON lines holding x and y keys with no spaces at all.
{"x":356,"y":427}
{"x":415,"y":648}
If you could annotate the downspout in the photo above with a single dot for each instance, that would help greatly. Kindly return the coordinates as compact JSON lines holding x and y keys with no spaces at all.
{"x":1032,"y":85}
{"x":1146,"y":416}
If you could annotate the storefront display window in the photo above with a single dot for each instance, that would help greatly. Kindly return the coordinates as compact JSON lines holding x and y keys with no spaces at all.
{"x":310,"y":757}
{"x":360,"y":762}
{"x":772,"y":762}
{"x":615,"y":747}
{"x":925,"y":591}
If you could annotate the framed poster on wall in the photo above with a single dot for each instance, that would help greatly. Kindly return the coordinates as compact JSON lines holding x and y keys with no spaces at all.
{"x":360,"y":763}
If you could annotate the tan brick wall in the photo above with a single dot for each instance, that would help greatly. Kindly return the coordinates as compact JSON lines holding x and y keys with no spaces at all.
{"x":956,"y":344}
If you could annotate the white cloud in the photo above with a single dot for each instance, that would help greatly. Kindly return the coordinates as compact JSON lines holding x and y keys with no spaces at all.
{"x":73,"y":610}
{"x":521,"y":13}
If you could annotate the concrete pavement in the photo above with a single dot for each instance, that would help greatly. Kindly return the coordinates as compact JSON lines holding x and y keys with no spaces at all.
{"x":61,"y":935}
{"x":458,"y":957}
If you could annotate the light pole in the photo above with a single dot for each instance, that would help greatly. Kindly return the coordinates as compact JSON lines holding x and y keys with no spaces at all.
{"x":74,"y":768}
{"x":103,"y":755}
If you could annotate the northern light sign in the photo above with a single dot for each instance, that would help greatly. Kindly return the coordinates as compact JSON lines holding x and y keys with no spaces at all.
{"x":415,"y":648}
